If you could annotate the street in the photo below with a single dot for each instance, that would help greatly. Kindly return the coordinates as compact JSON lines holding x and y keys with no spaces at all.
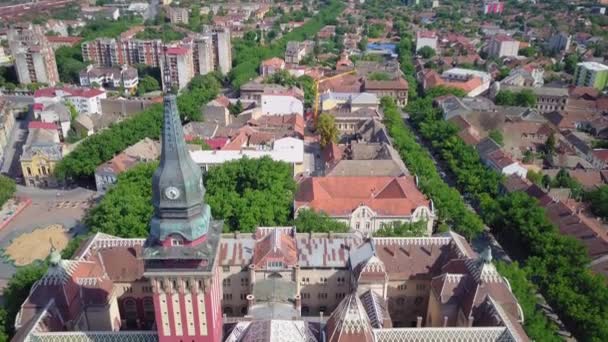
{"x":486,"y":239}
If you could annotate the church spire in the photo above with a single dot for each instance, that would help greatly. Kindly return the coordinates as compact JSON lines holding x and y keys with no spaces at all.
{"x":177,"y":186}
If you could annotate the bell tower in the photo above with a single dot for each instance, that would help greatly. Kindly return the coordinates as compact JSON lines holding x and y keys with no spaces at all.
{"x":180,"y":254}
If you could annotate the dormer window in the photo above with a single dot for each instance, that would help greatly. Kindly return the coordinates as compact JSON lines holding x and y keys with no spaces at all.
{"x":273,"y":265}
{"x":177,"y":241}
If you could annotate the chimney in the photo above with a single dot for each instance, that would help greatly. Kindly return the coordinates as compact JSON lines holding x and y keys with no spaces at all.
{"x":298,"y":302}
{"x":419,"y":322}
{"x":250,"y":300}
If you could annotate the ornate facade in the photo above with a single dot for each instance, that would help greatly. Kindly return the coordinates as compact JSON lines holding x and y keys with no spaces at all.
{"x":188,"y":282}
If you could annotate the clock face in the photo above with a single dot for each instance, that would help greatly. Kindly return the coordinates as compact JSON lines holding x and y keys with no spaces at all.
{"x":172,"y":193}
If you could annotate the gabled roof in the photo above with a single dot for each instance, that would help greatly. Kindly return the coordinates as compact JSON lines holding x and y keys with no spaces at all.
{"x":349,"y":322}
{"x":275,"y":245}
{"x":396,"y":196}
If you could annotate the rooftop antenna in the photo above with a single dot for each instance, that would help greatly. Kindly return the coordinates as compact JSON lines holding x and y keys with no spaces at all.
{"x":166,"y":73}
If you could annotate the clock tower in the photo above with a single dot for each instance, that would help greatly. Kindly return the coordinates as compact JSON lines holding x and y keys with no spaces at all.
{"x":181,"y":252}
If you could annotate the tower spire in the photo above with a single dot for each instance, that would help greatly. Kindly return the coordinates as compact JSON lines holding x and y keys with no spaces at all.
{"x":177,"y":185}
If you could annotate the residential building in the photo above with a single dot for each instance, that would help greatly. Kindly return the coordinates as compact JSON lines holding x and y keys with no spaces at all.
{"x":5,"y":57}
{"x":296,"y":51}
{"x":547,"y":99}
{"x":41,"y":153}
{"x":85,"y":100}
{"x":178,"y":15}
{"x":217,"y":111}
{"x":560,"y":42}
{"x":591,"y":74}
{"x":59,"y":41}
{"x":329,"y":100}
{"x":472,"y":82}
{"x":7,"y":123}
{"x":526,"y":76}
{"x":495,"y":158}
{"x":253,"y":91}
{"x":371,"y":289}
{"x":272,"y":65}
{"x":397,"y":89}
{"x":212,"y":51}
{"x":348,"y":120}
{"x":366,"y":204}
{"x":426,"y":38}
{"x":492,"y":7}
{"x":177,"y":68}
{"x":107,"y":173}
{"x":111,"y":52}
{"x":362,"y":159}
{"x":54,"y":112}
{"x":122,"y":108}
{"x":125,"y":77}
{"x":502,"y":45}
{"x":288,"y":150}
{"x":33,"y":55}
{"x":281,"y":104}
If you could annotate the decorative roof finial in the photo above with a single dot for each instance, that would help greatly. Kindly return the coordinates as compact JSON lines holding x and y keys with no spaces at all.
{"x":55,"y":256}
{"x":486,"y":255}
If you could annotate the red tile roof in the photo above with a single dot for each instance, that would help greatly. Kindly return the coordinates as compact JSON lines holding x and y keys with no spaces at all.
{"x":41,"y":125}
{"x":176,"y":51}
{"x":78,"y":92}
{"x":338,"y":196}
{"x":426,"y":34}
{"x":217,"y":143}
{"x":274,"y":62}
{"x":277,"y":245}
{"x":60,"y":39}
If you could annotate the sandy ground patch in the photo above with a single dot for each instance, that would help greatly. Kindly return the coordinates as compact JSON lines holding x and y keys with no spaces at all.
{"x":37,"y":244}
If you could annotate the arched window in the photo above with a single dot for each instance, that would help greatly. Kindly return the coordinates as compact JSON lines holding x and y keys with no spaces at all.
{"x":275,"y":275}
{"x":129,"y":306}
{"x":149,"y":314}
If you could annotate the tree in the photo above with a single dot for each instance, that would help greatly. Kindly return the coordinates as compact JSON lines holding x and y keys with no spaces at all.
{"x":550,"y":145}
{"x":362,"y":44}
{"x":525,"y":98}
{"x":426,"y":52}
{"x":326,"y":126}
{"x":496,"y":135}
{"x":403,"y":229}
{"x":7,"y":189}
{"x":17,"y":289}
{"x":251,"y":192}
{"x":311,"y":221}
{"x":69,"y":64}
{"x":147,"y":84}
{"x":505,"y":98}
{"x":528,"y":51}
{"x":126,"y":209}
{"x":570,"y":63}
{"x":379,"y":76}
{"x":598,"y":199}
{"x":237,"y":108}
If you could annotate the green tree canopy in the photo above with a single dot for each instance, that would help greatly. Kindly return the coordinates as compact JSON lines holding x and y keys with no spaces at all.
{"x":326,"y":126}
{"x":147,"y":84}
{"x":403,"y":229}
{"x":598,"y":199}
{"x":7,"y":189}
{"x":426,"y":52}
{"x":312,"y":221}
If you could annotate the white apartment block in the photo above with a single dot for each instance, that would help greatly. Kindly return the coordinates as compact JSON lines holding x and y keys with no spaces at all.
{"x":426,"y":38}
{"x":503,"y":46}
